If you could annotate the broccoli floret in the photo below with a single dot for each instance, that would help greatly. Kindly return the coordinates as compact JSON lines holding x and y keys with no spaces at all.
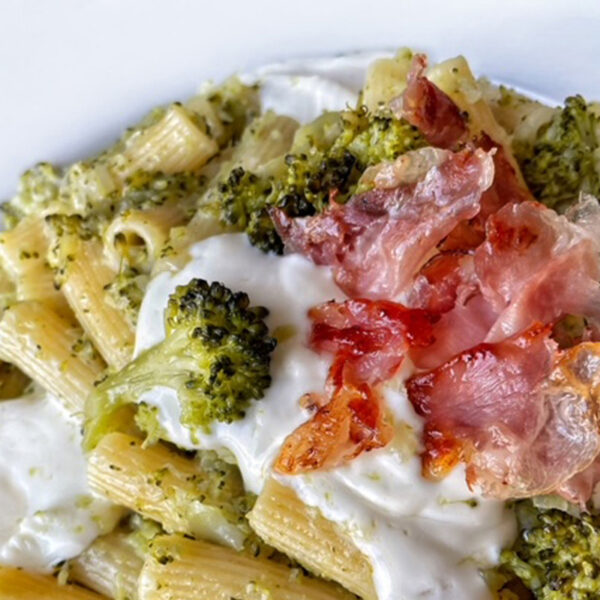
{"x":243,"y":204}
{"x":563,"y":160}
{"x":302,"y":181}
{"x":556,"y":556}
{"x":216,"y":355}
{"x":38,"y":187}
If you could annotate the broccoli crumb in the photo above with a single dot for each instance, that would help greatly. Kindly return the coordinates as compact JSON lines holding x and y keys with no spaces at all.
{"x":563,"y":160}
{"x":555,"y":557}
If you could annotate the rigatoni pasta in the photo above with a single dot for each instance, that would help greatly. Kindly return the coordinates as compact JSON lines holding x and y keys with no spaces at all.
{"x":110,"y":566}
{"x":160,"y":484}
{"x":84,"y":283}
{"x":193,"y":570}
{"x":16,"y":584}
{"x":137,"y":237}
{"x":172,"y":145}
{"x":51,"y":350}
{"x":23,"y":255}
{"x":285,"y":522}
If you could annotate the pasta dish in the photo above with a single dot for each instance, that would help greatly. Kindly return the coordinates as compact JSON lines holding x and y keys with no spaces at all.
{"x":327,"y":331}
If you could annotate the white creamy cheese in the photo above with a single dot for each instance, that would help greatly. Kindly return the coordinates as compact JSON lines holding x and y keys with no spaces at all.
{"x":304,"y":89}
{"x":288,"y":287}
{"x":424,"y":540}
{"x":47,"y":513}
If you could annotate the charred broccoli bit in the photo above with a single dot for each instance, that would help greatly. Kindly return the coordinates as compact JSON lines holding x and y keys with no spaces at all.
{"x":244,"y":204}
{"x":563,"y":160}
{"x":303,"y":181}
{"x":556,"y":555}
{"x":216,"y":355}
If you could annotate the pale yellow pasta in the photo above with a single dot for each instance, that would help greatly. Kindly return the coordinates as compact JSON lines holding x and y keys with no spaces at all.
{"x":266,"y":138}
{"x":23,"y":252}
{"x":8,"y":290}
{"x":16,"y":584}
{"x":186,"y":569}
{"x":172,"y":145}
{"x":519,"y":115}
{"x":264,"y":141}
{"x":454,"y":77}
{"x":202,"y":226}
{"x":284,"y":521}
{"x":138,"y":236}
{"x":386,"y":79}
{"x":158,"y":483}
{"x":110,"y":566}
{"x":84,"y":281}
{"x":203,"y":108}
{"x":51,"y":350}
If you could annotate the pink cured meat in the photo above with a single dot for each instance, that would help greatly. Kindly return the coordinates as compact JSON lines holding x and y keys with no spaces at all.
{"x":378,"y":240}
{"x":523,"y":417}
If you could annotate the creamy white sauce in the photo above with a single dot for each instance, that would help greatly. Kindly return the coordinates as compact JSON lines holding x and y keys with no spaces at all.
{"x":423,"y":539}
{"x":47,"y":513}
{"x":288,"y":287}
{"x":304,"y":89}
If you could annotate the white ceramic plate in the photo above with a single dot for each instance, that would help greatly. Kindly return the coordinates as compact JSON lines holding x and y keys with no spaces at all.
{"x":74,"y":73}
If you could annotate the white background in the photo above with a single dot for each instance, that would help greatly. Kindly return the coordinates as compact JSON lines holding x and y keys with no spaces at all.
{"x":74,"y":73}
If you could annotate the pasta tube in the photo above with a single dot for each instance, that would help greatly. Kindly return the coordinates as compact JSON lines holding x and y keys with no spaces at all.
{"x":282,"y":520}
{"x":386,"y":79}
{"x":160,"y":484}
{"x":138,"y":236}
{"x":109,"y":566}
{"x":187,"y":569}
{"x":50,"y":350}
{"x":23,"y":251}
{"x":454,"y":77}
{"x":83,"y":284}
{"x":16,"y":584}
{"x":172,"y":145}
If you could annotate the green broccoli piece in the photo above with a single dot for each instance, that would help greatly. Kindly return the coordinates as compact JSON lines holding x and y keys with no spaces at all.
{"x":318,"y":164}
{"x":243,"y":199}
{"x":556,"y":555}
{"x":563,"y":160}
{"x":38,"y":187}
{"x":216,"y":355}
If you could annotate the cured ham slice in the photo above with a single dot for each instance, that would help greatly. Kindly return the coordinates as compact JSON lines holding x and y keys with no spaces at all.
{"x":536,"y":266}
{"x":524,"y":418}
{"x":507,"y":188}
{"x":440,"y":120}
{"x":368,"y":340}
{"x":579,"y":488}
{"x":378,"y":240}
{"x":429,"y":109}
